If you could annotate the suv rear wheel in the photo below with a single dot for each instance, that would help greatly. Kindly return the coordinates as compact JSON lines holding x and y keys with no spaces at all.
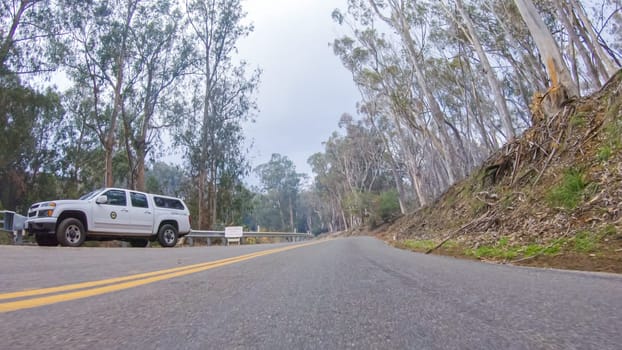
{"x":167,"y":235}
{"x":70,"y":233}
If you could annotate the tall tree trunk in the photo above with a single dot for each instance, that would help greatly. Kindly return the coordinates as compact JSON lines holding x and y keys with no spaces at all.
{"x":400,"y":23}
{"x":557,"y":69}
{"x":592,"y":71}
{"x":118,"y":98}
{"x":141,"y":139}
{"x":6,"y":46}
{"x":201,"y":200}
{"x":500,"y":102}
{"x":211,"y":200}
{"x":127,"y":136}
{"x":291,"y":214}
{"x":610,"y":67}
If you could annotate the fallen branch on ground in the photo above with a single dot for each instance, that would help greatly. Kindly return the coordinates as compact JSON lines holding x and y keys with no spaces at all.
{"x":453,"y":234}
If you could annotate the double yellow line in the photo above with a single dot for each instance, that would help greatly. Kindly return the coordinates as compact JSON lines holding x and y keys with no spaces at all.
{"x":41,"y":297}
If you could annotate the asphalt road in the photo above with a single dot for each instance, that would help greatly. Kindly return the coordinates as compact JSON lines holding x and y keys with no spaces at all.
{"x":345,"y":293}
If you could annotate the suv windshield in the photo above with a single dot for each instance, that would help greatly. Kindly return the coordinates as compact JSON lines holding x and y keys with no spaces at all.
{"x":90,"y":194}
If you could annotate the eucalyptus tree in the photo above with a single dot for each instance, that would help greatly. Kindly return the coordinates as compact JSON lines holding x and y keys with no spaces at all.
{"x":408,"y":19}
{"x":98,"y":50}
{"x":165,"y":178}
{"x":220,"y":101}
{"x":385,"y":80}
{"x":559,"y":44}
{"x":28,"y":112}
{"x":161,"y":57}
{"x":28,"y":119}
{"x":26,"y":28}
{"x":452,"y":80}
{"x":82,"y":155}
{"x":557,"y":69}
{"x":280,"y":183}
{"x":329,"y":187}
{"x":352,"y":175}
{"x":464,"y":21}
{"x":582,"y":37}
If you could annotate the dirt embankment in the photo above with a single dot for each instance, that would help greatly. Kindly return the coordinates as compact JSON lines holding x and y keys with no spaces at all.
{"x":552,"y":197}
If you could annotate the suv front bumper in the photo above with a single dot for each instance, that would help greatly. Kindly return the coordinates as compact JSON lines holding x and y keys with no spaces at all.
{"x":41,"y":225}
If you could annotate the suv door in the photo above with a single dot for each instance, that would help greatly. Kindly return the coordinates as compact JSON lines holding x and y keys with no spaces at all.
{"x":141,"y":215}
{"x":112,"y":216}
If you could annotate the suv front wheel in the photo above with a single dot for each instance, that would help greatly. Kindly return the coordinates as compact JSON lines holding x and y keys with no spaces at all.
{"x":70,"y":233}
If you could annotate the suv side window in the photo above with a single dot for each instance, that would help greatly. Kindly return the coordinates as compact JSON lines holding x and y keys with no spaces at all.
{"x":168,"y":203}
{"x":116,"y":197}
{"x":139,"y":200}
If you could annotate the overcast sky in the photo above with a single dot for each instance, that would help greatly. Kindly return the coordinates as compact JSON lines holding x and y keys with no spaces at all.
{"x":304,"y":87}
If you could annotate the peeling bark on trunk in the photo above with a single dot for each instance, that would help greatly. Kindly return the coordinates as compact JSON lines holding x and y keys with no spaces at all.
{"x":558,"y":72}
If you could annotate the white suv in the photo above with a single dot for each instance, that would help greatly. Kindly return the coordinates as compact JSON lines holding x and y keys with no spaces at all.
{"x":108,"y":214}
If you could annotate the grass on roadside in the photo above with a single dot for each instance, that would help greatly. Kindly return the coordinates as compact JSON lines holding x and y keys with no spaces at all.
{"x":584,"y":242}
{"x":419,"y":245}
{"x":569,"y":192}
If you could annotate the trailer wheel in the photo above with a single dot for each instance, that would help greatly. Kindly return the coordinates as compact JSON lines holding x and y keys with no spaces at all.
{"x":167,"y":235}
{"x":70,"y":233}
{"x":46,"y":240}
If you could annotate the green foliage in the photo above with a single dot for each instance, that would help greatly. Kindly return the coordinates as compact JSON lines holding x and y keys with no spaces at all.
{"x":419,"y":245}
{"x":388,"y":205}
{"x":585,"y":242}
{"x":373,"y":208}
{"x":604,"y":153}
{"x":578,"y":120}
{"x":569,"y":193}
{"x":504,"y":250}
{"x":167,"y":179}
{"x":536,"y":249}
{"x":612,"y":142}
{"x":6,"y":238}
{"x":609,"y":230}
{"x":28,"y":157}
{"x":280,"y":187}
{"x":488,"y":251}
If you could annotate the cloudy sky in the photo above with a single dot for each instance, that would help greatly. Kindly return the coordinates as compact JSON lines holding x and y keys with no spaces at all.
{"x":304,"y":88}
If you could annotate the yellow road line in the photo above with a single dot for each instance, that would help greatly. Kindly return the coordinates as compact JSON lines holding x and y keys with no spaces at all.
{"x":83,"y":285}
{"x":134,"y":281}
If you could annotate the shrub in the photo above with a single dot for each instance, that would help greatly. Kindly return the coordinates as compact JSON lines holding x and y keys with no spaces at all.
{"x":569,"y":192}
{"x":585,"y":242}
{"x":604,"y":153}
{"x":388,"y":205}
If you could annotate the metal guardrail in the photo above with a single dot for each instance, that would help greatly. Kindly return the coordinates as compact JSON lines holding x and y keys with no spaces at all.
{"x":294,"y":236}
{"x":14,"y":224}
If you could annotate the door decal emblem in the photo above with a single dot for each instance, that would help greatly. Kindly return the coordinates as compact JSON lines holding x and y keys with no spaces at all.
{"x":113,"y":215}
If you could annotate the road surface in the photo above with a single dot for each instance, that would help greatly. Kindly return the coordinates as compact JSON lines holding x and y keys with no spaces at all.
{"x":353,"y":293}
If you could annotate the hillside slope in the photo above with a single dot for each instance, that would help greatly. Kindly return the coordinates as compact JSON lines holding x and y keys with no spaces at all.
{"x":552,"y":197}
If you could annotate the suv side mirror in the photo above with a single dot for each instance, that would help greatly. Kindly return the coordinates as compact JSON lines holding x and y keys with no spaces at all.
{"x":102,"y":199}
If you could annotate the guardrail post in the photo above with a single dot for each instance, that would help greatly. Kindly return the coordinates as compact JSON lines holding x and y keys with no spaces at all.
{"x":18,"y":237}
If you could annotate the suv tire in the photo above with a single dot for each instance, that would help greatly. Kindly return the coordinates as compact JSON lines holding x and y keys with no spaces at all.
{"x":70,"y":233}
{"x":167,"y":235}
